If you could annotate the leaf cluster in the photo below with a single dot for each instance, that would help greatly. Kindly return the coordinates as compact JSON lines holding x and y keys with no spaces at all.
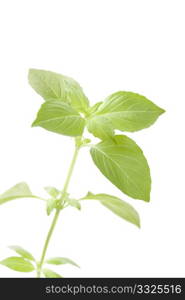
{"x":67,"y":111}
{"x":25,"y":262}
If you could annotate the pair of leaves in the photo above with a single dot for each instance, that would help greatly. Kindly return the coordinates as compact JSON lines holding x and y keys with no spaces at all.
{"x":52,"y":203}
{"x":65,"y":101}
{"x":117,"y":206}
{"x":54,"y":86}
{"x":58,"y":201}
{"x":22,"y":190}
{"x":117,"y":157}
{"x":22,"y":263}
{"x":120,"y":160}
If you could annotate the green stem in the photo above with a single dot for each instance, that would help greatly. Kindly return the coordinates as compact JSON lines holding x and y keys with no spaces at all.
{"x":57,"y":213}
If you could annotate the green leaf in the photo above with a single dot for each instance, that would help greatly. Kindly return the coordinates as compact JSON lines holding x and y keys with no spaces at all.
{"x":61,"y":261}
{"x":123,"y":163}
{"x":94,"y":108}
{"x":52,"y":202}
{"x":20,"y":190}
{"x":55,"y":86}
{"x":24,"y":253}
{"x":52,"y":191}
{"x":117,"y":206}
{"x":100,"y":127}
{"x":50,"y":205}
{"x":50,"y":274}
{"x":125,"y":111}
{"x":73,"y":202}
{"x":18,"y":264}
{"x":59,"y":117}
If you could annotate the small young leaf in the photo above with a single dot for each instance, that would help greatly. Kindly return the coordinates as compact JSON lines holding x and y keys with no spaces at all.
{"x":94,"y":108}
{"x":59,"y":117}
{"x":50,"y":274}
{"x":73,"y":202}
{"x":20,"y":190}
{"x":117,"y":206}
{"x":50,"y":205}
{"x":125,"y":111}
{"x":52,"y":191}
{"x":81,"y":142}
{"x":24,"y":253}
{"x":100,"y":127}
{"x":61,"y":261}
{"x":123,"y":163}
{"x":55,"y":86}
{"x":18,"y":264}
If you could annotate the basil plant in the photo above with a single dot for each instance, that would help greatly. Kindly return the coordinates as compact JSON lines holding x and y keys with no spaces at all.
{"x":66,"y":110}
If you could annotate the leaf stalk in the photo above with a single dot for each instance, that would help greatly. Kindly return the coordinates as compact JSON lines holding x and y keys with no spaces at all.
{"x":57,"y":213}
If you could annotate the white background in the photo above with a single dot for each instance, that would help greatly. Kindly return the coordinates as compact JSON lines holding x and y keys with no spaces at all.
{"x":106,"y":45}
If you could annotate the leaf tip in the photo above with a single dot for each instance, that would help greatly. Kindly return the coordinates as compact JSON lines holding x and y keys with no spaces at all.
{"x":30,"y":73}
{"x":147,"y":198}
{"x":162,"y":111}
{"x":12,"y":247}
{"x":138,"y":223}
{"x":34,"y":124}
{"x":77,"y":266}
{"x":31,"y":70}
